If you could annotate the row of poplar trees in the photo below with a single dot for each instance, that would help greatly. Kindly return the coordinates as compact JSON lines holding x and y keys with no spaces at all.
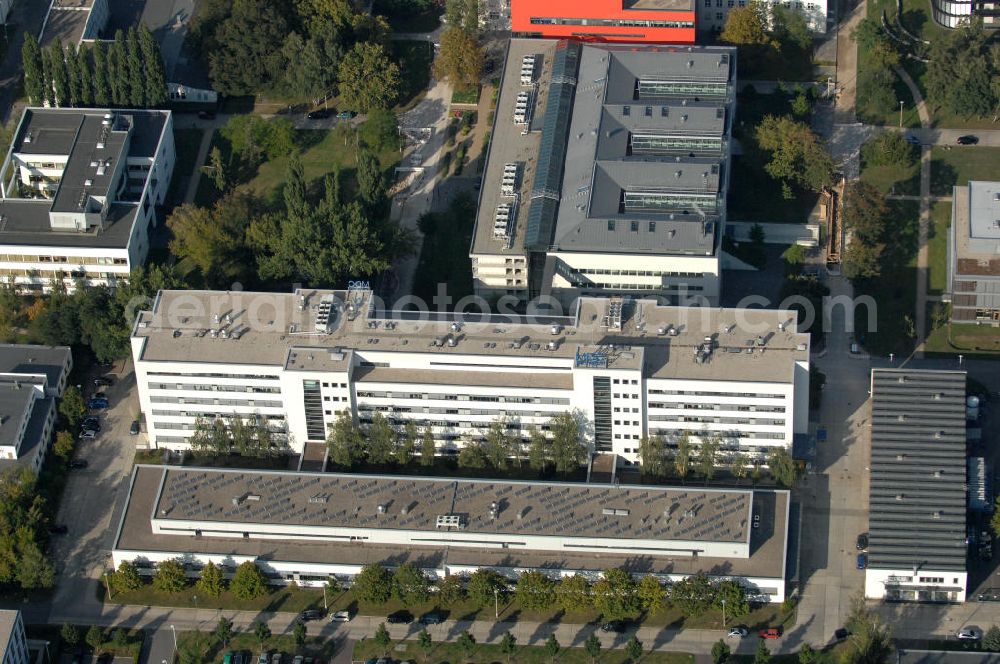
{"x":126,"y":72}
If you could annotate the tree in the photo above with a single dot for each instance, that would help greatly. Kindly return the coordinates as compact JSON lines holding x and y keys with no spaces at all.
{"x":223,"y":631}
{"x":373,"y":584}
{"x":102,"y":89}
{"x":60,"y":76}
{"x":869,"y":640}
{"x":592,"y":646}
{"x":70,"y":634}
{"x":371,"y":182}
{"x":374,"y":78}
{"x":216,"y":170}
{"x":460,"y":59}
{"x":746,"y":26}
{"x":119,"y":638}
{"x":889,"y":149}
{"x":574,"y":594}
{"x":738,"y":466}
{"x":85,"y":76}
{"x":782,"y":466}
{"x":135,"y":66}
{"x":246,"y":56}
{"x":380,"y":131}
{"x":706,"y":457}
{"x":382,"y":638}
{"x":866,"y":212}
{"x":498,"y":445}
{"x":734,"y":595}
{"x":538,"y":449}
{"x":126,"y":578}
{"x":508,"y":645}
{"x":472,"y":455}
{"x":194,"y":649}
{"x":797,"y":155}
{"x":961,"y":72}
{"x":615,"y":594}
{"x":991,"y":640}
{"x":427,"y":448}
{"x":651,"y":593}
{"x":72,"y":406}
{"x":486,"y":587}
{"x":633,"y":649}
{"x":568,"y":451}
{"x":248,"y":581}
{"x":381,"y":440}
{"x":155,"y":78}
{"x":790,"y":27}
{"x":410,"y":585}
{"x":262,"y":632}
{"x":118,"y":70}
{"x":312,"y":70}
{"x":425,"y":642}
{"x":450,"y":591}
{"x":682,"y":460}
{"x":720,"y":652}
{"x":211,"y":582}
{"x":212,"y":239}
{"x":345,"y":442}
{"x":31,"y":63}
{"x":94,"y":637}
{"x":995,"y":518}
{"x":652,"y":456}
{"x":535,"y":591}
{"x":552,"y":647}
{"x":863,"y":260}
{"x":170,"y":576}
{"x":806,"y":654}
{"x":763,"y":655}
{"x":467,"y":643}
{"x":693,"y":594}
{"x":407,"y":444}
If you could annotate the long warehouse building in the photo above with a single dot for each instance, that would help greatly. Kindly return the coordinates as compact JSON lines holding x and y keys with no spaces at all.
{"x":624,"y":368}
{"x":306,"y":527}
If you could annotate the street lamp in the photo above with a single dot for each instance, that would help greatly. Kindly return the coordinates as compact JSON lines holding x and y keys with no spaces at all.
{"x":172,"y":629}
{"x":107,"y":583}
{"x":723,"y":614}
{"x":496,"y":603}
{"x":900,"y":113}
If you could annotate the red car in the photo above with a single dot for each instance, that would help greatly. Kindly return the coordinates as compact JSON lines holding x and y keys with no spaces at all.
{"x":770,"y":633}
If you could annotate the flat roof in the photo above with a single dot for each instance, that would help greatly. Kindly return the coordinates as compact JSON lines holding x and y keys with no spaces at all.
{"x":26,"y":222}
{"x":268,"y":329}
{"x":918,"y":471}
{"x":767,"y":541}
{"x":15,"y":399}
{"x":33,"y":435}
{"x":976,"y":233}
{"x":31,"y":359}
{"x":659,"y":5}
{"x":67,"y":21}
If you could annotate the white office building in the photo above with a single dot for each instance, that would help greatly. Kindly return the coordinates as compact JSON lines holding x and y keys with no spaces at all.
{"x":625,"y":368}
{"x":15,"y":643}
{"x":306,"y":527}
{"x":79,"y":194}
{"x":712,"y":14}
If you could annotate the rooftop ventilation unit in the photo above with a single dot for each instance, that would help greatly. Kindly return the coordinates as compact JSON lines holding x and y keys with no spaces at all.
{"x":450,"y":521}
{"x":324,"y":315}
{"x":509,"y":182}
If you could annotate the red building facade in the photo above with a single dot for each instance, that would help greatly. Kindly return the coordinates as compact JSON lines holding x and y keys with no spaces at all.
{"x":657,"y":21}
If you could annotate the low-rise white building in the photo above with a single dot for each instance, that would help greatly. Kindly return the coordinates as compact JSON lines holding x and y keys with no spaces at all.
{"x":625,"y":368}
{"x":12,"y":637}
{"x":32,"y":378}
{"x":79,"y":194}
{"x":306,"y":527}
{"x":712,"y":14}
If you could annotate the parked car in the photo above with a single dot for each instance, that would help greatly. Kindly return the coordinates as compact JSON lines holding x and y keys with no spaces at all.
{"x":134,"y":428}
{"x":262,"y":658}
{"x":862,"y":543}
{"x":88,"y":434}
{"x":989,"y":595}
{"x":841,"y":634}
{"x":399,"y":618}
{"x":78,"y":464}
{"x":432,"y":618}
{"x":770,"y":633}
{"x":276,"y":658}
{"x":862,"y":560}
{"x":969,"y":634}
{"x":617,"y":626}
{"x":319,"y":114}
{"x":206,"y":115}
{"x":341,"y":616}
{"x":90,"y":426}
{"x":97,"y":403}
{"x":310,"y":614}
{"x":298,"y":659}
{"x":345,"y":115}
{"x":738,"y":632}
{"x":102,"y":381}
{"x":911,"y":139}
{"x":968,"y":139}
{"x":58,"y":529}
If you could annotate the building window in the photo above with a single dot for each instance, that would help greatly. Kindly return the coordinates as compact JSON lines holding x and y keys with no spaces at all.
{"x":718,"y":15}
{"x":611,"y":224}
{"x":626,"y":110}
{"x":649,"y":111}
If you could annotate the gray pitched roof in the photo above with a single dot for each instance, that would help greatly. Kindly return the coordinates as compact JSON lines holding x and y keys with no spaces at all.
{"x":917,"y":503}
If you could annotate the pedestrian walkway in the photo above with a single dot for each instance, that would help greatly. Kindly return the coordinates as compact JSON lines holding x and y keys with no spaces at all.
{"x":192,"y":187}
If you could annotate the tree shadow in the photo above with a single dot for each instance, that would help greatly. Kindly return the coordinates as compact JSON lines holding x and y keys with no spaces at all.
{"x":944,"y":176}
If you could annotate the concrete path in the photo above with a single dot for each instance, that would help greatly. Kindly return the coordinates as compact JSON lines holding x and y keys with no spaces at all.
{"x":192,"y":186}
{"x":479,"y":131}
{"x":847,"y":64}
{"x":920,"y":318}
{"x":949,"y":137}
{"x":901,"y":197}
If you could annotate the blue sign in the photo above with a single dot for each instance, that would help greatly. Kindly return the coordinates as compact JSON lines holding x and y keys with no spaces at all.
{"x":358,"y":285}
{"x":591,"y":360}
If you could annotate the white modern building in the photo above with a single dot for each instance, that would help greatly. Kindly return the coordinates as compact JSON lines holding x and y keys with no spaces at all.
{"x":625,"y":368}
{"x":12,"y":637}
{"x":79,"y":193}
{"x":712,"y":14}
{"x":32,"y":378}
{"x":74,"y":21}
{"x":306,"y":527}
{"x":607,"y":172}
{"x":974,"y":254}
{"x":917,"y":503}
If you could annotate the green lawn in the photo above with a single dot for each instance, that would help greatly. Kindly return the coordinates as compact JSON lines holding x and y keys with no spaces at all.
{"x":186,"y":142}
{"x":406,"y":21}
{"x":895,"y":179}
{"x":959,"y":164}
{"x":292,"y":600}
{"x":284,"y":643}
{"x":894,"y":291}
{"x":966,"y":339}
{"x":465,"y":96}
{"x":491,"y":654}
{"x":444,"y":255}
{"x":937,"y":248}
{"x":415,"y":58}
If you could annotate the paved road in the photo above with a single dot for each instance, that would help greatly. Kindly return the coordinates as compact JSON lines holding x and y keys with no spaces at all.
{"x":25,"y":16}
{"x":949,"y":137}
